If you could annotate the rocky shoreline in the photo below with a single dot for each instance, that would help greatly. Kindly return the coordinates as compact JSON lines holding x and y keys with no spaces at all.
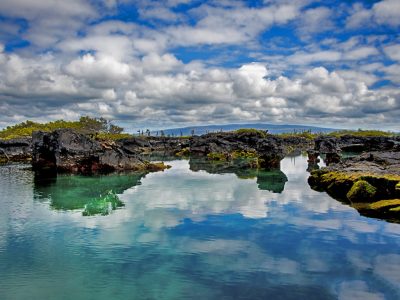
{"x":369,"y":180}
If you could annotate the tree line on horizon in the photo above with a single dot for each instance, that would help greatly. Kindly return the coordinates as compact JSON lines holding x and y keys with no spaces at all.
{"x":96,"y":127}
{"x":102,"y":128}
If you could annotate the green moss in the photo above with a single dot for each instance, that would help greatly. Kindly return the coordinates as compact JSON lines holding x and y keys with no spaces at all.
{"x":244,"y":154}
{"x":257,"y":132}
{"x":217,"y":156}
{"x":361,"y":191}
{"x":153,"y":167}
{"x":385,"y":204}
{"x":113,"y":136}
{"x":183,"y":152}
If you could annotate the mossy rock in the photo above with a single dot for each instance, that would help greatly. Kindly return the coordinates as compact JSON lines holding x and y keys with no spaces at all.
{"x":395,"y":209}
{"x":385,"y":204}
{"x":154,"y":167}
{"x":217,"y":156}
{"x":384,"y":209}
{"x":338,"y":184}
{"x":244,"y":154}
{"x":361,"y":191}
{"x":183,"y":152}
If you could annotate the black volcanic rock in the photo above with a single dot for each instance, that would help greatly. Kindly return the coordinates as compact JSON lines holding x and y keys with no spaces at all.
{"x":67,"y":150}
{"x":269,"y":149}
{"x":328,"y":144}
{"x":147,"y":145}
{"x":16,"y":149}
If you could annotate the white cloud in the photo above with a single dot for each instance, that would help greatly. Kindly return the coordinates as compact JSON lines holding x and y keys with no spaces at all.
{"x":101,"y":72}
{"x":386,"y":12}
{"x":393,"y":52}
{"x":78,"y":63}
{"x":315,"y":20}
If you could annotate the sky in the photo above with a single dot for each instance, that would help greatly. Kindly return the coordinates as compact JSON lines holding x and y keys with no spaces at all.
{"x":158,"y":64}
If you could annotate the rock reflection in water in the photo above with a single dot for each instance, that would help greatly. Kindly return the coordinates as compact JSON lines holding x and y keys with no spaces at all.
{"x":95,"y":194}
{"x":270,"y":180}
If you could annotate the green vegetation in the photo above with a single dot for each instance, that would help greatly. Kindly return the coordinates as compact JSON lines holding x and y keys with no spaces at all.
{"x":155,"y":166}
{"x":395,"y":209}
{"x":361,"y":191}
{"x":385,"y":204}
{"x":97,"y":127}
{"x":216,"y":156}
{"x":112,"y":136}
{"x":339,"y":184}
{"x":237,"y":154}
{"x":304,"y":134}
{"x":360,"y":133}
{"x":102,"y":205}
{"x":184,"y":152}
{"x":260,"y":133}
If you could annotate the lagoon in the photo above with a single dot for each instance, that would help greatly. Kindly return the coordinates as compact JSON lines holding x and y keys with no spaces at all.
{"x":195,"y":231}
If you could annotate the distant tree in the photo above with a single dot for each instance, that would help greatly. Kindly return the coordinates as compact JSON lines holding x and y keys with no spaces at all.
{"x":114,"y":129}
{"x":93,"y":125}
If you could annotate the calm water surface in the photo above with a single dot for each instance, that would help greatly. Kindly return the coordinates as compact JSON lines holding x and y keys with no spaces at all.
{"x":185,"y":234}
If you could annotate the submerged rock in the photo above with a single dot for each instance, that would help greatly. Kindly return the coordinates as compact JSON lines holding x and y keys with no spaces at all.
{"x":69,"y":151}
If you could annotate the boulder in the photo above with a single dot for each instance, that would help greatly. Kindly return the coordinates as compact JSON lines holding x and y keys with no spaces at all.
{"x":69,"y":151}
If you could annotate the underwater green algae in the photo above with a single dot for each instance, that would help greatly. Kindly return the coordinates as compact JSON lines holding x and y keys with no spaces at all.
{"x":94,"y":194}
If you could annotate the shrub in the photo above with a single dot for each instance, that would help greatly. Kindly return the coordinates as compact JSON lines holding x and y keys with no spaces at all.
{"x":258,"y":132}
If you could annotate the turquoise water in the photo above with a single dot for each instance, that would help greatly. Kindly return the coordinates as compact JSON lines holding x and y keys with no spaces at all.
{"x":183,"y":234}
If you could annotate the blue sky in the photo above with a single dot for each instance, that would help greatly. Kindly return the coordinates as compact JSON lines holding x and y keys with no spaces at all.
{"x":172,"y":63}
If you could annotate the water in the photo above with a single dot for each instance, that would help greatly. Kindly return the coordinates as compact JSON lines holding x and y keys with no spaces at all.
{"x":183,"y":234}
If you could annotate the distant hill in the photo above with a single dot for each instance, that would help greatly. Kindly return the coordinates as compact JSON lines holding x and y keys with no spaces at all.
{"x":272,"y":128}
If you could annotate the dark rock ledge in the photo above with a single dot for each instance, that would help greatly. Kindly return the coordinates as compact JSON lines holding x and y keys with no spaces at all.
{"x":369,"y":182}
{"x":65,"y":150}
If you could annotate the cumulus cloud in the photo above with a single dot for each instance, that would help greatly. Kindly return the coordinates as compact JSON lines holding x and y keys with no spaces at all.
{"x":386,"y":12}
{"x":189,"y":66}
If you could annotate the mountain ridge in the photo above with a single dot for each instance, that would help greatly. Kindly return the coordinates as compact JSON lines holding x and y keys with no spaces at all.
{"x":272,"y":128}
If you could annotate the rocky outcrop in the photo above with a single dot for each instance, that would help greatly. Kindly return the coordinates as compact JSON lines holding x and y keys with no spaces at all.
{"x":143,"y":145}
{"x":266,"y":149}
{"x":332,"y":147}
{"x":363,"y":181}
{"x":16,"y":150}
{"x":69,"y":151}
